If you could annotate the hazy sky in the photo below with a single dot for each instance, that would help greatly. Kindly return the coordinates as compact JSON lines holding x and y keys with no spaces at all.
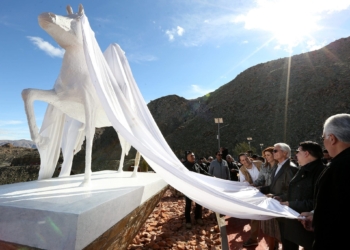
{"x":182,"y":47}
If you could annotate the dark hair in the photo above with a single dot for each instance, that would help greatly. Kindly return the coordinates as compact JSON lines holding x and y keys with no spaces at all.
{"x":325,"y":151}
{"x":218,"y":152}
{"x":313,"y":148}
{"x":241,"y":154}
{"x":187,"y":152}
{"x":261,"y":158}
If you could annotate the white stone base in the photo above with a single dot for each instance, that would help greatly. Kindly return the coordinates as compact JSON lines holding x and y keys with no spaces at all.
{"x":58,"y":214}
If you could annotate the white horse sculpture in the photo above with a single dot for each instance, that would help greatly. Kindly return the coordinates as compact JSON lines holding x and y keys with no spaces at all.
{"x":73,"y":93}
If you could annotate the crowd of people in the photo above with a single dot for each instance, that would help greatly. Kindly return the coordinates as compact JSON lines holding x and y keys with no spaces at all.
{"x":314,"y":184}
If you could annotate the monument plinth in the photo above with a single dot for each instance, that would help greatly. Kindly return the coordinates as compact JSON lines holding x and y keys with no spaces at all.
{"x":58,"y":214}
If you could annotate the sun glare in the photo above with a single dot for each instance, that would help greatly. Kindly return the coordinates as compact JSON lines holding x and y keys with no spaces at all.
{"x":290,"y":22}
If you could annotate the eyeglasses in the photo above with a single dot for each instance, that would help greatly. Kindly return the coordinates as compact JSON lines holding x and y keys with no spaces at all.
{"x":219,"y":154}
{"x":275,"y":150}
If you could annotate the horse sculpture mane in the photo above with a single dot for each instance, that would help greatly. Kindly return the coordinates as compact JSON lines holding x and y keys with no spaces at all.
{"x":73,"y":95}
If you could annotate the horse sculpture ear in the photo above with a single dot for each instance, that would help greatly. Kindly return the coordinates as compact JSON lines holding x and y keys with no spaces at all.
{"x":69,"y":10}
{"x":81,"y":10}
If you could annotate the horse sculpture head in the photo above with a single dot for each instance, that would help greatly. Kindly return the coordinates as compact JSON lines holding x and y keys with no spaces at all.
{"x":66,"y":30}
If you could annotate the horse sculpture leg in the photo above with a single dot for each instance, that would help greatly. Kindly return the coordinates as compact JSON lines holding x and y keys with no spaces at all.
{"x":90,"y":115}
{"x":121,"y":162}
{"x":136,"y":165}
{"x":29,"y":96}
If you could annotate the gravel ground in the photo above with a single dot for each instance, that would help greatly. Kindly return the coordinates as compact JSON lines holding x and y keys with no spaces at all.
{"x":165,"y":228}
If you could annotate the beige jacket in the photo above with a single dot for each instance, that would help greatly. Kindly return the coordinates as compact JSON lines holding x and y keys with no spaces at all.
{"x":245,"y":172}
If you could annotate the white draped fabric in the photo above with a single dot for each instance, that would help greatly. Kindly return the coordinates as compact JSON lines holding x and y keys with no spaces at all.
{"x":128,"y":113}
{"x":130,"y":116}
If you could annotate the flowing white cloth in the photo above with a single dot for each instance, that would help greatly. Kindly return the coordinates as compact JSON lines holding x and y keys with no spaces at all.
{"x":130,"y":116}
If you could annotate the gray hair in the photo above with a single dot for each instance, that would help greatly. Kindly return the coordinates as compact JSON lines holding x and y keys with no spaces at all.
{"x":284,"y":147}
{"x":339,"y":126}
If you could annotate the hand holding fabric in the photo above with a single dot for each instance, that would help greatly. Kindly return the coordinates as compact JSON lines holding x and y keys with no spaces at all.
{"x":278,"y":198}
{"x":307,"y":221}
{"x":285,"y":203}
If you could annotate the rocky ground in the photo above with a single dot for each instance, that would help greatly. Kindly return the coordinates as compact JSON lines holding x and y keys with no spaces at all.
{"x":165,"y":229}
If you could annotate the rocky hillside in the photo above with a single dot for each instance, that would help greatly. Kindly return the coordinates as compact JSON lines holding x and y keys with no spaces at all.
{"x":262,"y":104}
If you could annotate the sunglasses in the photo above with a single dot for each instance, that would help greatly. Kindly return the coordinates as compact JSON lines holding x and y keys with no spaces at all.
{"x":275,"y":150}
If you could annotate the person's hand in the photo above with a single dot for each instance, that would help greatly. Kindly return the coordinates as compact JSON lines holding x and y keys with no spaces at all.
{"x":285,"y":203}
{"x":307,"y":220}
{"x":269,"y":195}
{"x":278,"y":198}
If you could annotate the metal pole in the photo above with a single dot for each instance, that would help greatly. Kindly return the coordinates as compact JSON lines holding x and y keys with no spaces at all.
{"x":219,"y":135}
{"x":223,"y":233}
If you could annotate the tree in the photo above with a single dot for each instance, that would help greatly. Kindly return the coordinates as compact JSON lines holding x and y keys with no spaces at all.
{"x":242,"y":147}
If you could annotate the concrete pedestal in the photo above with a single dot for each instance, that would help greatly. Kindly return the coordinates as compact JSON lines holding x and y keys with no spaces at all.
{"x":58,"y":214}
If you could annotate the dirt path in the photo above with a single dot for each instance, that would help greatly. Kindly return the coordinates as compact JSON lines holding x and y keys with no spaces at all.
{"x":165,"y":229}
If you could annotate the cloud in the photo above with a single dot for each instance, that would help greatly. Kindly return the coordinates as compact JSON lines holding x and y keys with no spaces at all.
{"x":14,"y":134}
{"x":196,"y":91}
{"x":173,"y":32}
{"x":46,"y":47}
{"x":199,"y":91}
{"x":179,"y":30}
{"x":138,"y":58}
{"x":311,"y":45}
{"x":13,"y":130}
{"x":9,"y":122}
{"x":204,"y":26}
{"x":170,"y":35}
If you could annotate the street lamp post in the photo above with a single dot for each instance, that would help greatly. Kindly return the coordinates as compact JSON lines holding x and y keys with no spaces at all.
{"x":218,"y":121}
{"x":249,"y":139}
{"x":261,"y":145}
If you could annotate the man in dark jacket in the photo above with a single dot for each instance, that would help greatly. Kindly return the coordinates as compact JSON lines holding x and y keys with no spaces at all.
{"x":284,"y":172}
{"x":300,"y":195}
{"x":203,"y":165}
{"x":191,"y":165}
{"x":234,"y":168}
{"x":281,"y":176}
{"x":330,"y":218}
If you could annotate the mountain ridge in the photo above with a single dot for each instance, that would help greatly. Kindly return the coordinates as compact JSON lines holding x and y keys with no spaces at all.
{"x":253,"y":103}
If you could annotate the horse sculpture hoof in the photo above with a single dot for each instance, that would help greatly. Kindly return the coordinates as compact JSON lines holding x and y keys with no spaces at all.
{"x":85,"y":183}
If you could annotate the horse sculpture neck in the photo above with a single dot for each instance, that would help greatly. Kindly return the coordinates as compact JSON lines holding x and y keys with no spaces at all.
{"x":73,"y":65}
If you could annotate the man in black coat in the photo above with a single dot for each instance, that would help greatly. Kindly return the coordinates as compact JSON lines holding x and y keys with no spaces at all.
{"x":281,"y":176}
{"x":234,"y":168}
{"x":203,"y":165}
{"x":331,"y":212}
{"x":300,"y":195}
{"x":191,"y":165}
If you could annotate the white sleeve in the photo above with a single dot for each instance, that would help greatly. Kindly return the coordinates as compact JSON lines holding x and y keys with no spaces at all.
{"x":241,"y":177}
